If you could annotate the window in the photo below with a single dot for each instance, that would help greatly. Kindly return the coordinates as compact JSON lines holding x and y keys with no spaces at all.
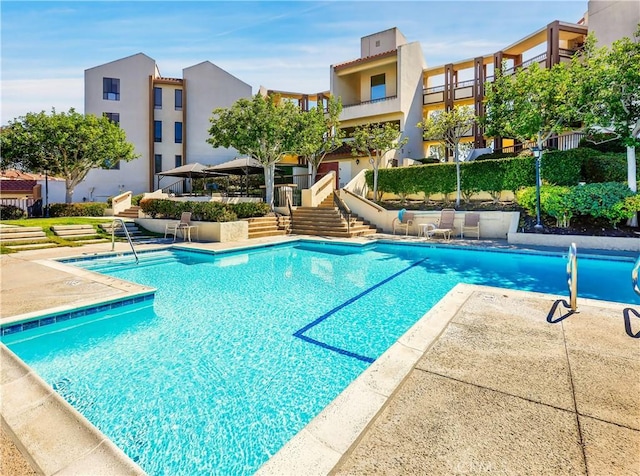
{"x":178,"y":96}
{"x":377,"y":43}
{"x":111,"y":89}
{"x":157,"y":163}
{"x":178,"y":160}
{"x":378,"y":87}
{"x":113,"y":117}
{"x":157,"y":98}
{"x":157,"y":131}
{"x":178,"y":132}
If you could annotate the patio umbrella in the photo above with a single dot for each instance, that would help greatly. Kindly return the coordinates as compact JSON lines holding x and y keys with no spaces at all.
{"x":189,"y":171}
{"x":243,"y":166}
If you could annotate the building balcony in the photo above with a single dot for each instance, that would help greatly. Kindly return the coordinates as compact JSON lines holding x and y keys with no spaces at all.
{"x":387,"y":105}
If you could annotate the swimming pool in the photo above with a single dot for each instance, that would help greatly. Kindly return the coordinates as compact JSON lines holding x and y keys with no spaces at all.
{"x":238,"y":351}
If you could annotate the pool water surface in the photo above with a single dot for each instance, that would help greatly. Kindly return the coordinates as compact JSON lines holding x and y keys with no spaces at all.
{"x":239,"y":351}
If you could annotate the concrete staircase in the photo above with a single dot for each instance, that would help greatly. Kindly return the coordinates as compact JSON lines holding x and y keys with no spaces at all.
{"x":22,"y":234}
{"x":131,"y":212}
{"x":325,"y":220}
{"x":260,"y":227}
{"x":77,"y":232}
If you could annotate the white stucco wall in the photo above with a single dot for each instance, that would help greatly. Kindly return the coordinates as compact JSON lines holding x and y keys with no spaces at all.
{"x":133,"y":107}
{"x":208,"y":87}
{"x":611,"y":20}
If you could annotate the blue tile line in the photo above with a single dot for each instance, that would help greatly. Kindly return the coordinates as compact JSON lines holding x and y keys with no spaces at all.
{"x":300,"y":332}
{"x":66,"y":315}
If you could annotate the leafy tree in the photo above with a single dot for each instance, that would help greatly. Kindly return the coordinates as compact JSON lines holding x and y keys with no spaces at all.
{"x":376,"y":140}
{"x":448,"y":128}
{"x":67,"y":145}
{"x":532,"y":104}
{"x":610,"y":94}
{"x":263,"y":128}
{"x":320,"y":134}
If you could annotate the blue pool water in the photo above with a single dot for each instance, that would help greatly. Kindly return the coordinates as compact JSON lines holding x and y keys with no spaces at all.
{"x":239,"y":351}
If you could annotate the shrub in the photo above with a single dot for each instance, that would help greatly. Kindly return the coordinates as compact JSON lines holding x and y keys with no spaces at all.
{"x":88,"y":209}
{"x":565,"y":167}
{"x":603,"y":142}
{"x":248,"y":210}
{"x":496,"y":155}
{"x":11,"y":212}
{"x":605,"y":167}
{"x":600,"y":200}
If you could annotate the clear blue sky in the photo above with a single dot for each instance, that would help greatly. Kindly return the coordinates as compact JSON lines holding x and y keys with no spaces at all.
{"x":286,"y":45}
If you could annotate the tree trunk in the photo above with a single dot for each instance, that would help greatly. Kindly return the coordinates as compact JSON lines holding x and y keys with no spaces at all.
{"x":69,"y":187}
{"x":631,"y":179}
{"x":457,"y":160}
{"x":313,"y":169}
{"x":376,"y":166}
{"x":269,"y":173}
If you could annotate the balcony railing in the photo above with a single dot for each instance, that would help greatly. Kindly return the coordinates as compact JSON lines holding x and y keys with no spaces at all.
{"x":388,"y":98}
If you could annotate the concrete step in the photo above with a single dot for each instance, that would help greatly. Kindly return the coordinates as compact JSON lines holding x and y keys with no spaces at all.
{"x":32,"y":246}
{"x":25,"y":235}
{"x":29,"y":239}
{"x":263,"y":234}
{"x":5,"y":230}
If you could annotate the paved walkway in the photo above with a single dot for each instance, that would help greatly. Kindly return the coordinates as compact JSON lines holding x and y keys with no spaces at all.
{"x":505,"y":388}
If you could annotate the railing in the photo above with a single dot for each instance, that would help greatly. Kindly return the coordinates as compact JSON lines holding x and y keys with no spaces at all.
{"x":634,"y":277}
{"x":121,"y":202}
{"x":176,"y":188}
{"x":23,"y":203}
{"x":388,"y":98}
{"x":567,"y":141}
{"x":572,"y":276}
{"x":126,"y":233}
{"x":345,"y":211}
{"x":369,"y":203}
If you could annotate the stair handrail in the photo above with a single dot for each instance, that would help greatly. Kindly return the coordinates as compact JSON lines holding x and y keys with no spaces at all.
{"x":290,"y":207}
{"x":634,"y":276}
{"x":126,"y":232}
{"x":121,"y":202}
{"x":572,"y":276}
{"x":364,"y":200}
{"x":343,"y":208}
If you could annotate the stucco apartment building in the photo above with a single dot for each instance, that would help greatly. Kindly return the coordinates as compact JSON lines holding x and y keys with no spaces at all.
{"x":167,"y":119}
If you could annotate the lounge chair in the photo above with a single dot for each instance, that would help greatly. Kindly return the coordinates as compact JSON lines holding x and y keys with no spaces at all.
{"x":471,"y":224}
{"x":445,"y":225}
{"x":183,"y":225}
{"x":403,"y":220}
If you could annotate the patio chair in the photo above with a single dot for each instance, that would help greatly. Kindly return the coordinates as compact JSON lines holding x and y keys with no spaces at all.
{"x":471,"y":224}
{"x":183,"y":225}
{"x":403,"y":220}
{"x":445,"y":225}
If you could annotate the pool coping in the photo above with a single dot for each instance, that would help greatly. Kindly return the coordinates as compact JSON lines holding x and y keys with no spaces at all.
{"x":37,"y":415}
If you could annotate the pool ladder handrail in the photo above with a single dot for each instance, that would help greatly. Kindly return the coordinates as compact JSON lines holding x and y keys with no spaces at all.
{"x":126,"y":232}
{"x":572,"y":276}
{"x":634,"y":276}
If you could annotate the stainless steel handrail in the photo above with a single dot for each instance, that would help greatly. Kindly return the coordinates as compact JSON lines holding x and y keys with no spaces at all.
{"x":572,"y":276}
{"x":634,"y":276}
{"x":126,"y":232}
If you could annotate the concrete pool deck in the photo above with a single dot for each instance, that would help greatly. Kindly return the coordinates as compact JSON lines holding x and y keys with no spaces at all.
{"x":492,"y":383}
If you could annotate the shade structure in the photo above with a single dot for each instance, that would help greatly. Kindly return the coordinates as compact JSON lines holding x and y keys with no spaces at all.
{"x":194,"y":170}
{"x":238,"y":166}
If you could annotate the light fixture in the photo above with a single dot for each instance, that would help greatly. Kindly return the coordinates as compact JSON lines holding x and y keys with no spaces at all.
{"x":357,"y":161}
{"x":537,"y":153}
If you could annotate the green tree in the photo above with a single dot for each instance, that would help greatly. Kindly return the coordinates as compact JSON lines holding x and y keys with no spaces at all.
{"x":610,"y":94}
{"x":448,"y":128}
{"x":320,"y":134}
{"x":532,"y":104}
{"x":376,"y":140}
{"x":67,"y":145}
{"x":264,"y":128}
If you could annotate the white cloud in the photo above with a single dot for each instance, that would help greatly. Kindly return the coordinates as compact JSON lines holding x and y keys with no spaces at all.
{"x":34,"y":95}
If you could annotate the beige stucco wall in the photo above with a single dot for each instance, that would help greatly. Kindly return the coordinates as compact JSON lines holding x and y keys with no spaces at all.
{"x":208,"y":87}
{"x":207,"y":231}
{"x":564,"y":241}
{"x":610,"y":20}
{"x":133,"y":107}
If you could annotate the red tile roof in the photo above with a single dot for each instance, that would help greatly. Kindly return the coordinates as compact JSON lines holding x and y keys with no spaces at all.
{"x":364,"y":60}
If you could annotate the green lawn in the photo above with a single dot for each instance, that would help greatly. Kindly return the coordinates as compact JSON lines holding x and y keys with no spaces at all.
{"x":47,"y":223}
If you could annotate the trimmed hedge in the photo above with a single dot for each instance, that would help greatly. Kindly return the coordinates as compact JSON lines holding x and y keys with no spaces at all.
{"x":11,"y":212}
{"x":88,"y":209}
{"x":203,"y":211}
{"x":564,"y":168}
